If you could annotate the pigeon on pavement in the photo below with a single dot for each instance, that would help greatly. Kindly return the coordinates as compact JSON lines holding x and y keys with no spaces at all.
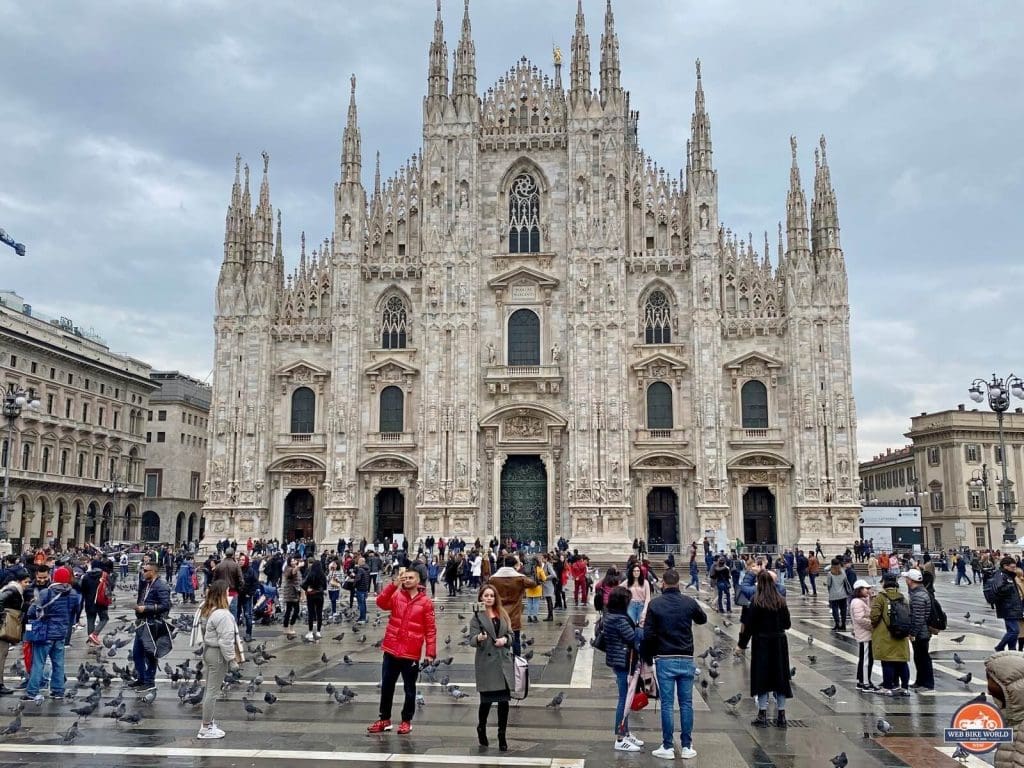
{"x":884,"y":726}
{"x":965,"y":679}
{"x":840,"y":760}
{"x":958,"y":640}
{"x":556,"y":702}
{"x":829,"y":692}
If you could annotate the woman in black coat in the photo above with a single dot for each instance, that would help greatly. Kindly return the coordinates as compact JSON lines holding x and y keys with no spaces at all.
{"x":622,"y":639}
{"x":315,"y":587}
{"x":766,"y":623}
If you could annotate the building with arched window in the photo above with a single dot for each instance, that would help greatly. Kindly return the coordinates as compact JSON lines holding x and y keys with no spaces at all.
{"x":532,"y":328}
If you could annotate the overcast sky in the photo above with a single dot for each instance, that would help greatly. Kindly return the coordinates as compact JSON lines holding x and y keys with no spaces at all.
{"x":120,"y":120}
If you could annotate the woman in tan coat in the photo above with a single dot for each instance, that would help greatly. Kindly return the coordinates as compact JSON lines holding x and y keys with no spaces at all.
{"x":1005,"y":671}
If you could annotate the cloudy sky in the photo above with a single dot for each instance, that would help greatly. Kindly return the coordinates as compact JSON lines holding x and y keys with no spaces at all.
{"x":120,"y":120}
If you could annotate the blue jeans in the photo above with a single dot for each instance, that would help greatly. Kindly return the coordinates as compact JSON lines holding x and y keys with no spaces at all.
{"x":723,"y":589}
{"x":145,"y":663}
{"x":635,"y":610}
{"x":244,"y":610}
{"x":675,"y":674}
{"x":54,"y":651}
{"x":361,"y":600}
{"x":694,"y":579}
{"x":1009,"y":641}
{"x":533,"y":607}
{"x":780,"y":701}
{"x":622,"y":679}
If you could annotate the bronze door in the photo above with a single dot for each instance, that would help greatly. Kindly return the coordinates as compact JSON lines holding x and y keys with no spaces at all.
{"x":524,"y":499}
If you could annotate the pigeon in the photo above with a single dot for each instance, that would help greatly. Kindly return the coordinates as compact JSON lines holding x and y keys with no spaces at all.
{"x":958,"y":640}
{"x":829,"y":692}
{"x":251,"y":710}
{"x":85,"y":710}
{"x":960,"y":754}
{"x":448,"y":661}
{"x":117,"y":711}
{"x":116,"y":700}
{"x":339,"y":637}
{"x":713,"y":673}
{"x":323,"y":658}
{"x":528,"y":655}
{"x":957,"y":660}
{"x":348,"y":692}
{"x":965,"y":679}
{"x":149,"y":696}
{"x":967,"y":616}
{"x":133,"y":719}
{"x":282,"y":682}
{"x":420,"y":701}
{"x":17,"y":709}
{"x":448,"y":640}
{"x":732,"y":701}
{"x":341,"y":698}
{"x":329,"y":690}
{"x":884,"y":726}
{"x":347,"y":659}
{"x":978,"y":623}
{"x":269,"y":698}
{"x":444,"y":681}
{"x":840,"y":760}
{"x":71,"y":733}
{"x":810,"y":640}
{"x":812,"y":658}
{"x":704,"y":687}
{"x":979,"y":699}
{"x":556,"y":702}
{"x":792,"y":672}
{"x":12,"y":727}
{"x":457,"y":693}
{"x":705,"y":654}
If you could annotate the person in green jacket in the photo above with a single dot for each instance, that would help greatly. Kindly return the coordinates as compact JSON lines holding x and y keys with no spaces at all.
{"x":892,"y":652}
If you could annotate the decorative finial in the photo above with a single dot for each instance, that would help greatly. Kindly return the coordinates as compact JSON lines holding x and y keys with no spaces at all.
{"x":466,"y":9}
{"x":558,"y":56}
{"x":238,"y":164}
{"x":821,"y":142}
{"x":698,"y":70}
{"x":438,"y":7}
{"x":817,"y":158}
{"x":266,"y":160}
{"x":352,"y":79}
{"x":792,"y":147}
{"x":278,"y":218}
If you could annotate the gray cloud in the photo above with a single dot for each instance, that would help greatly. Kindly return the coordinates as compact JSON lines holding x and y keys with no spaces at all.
{"x":120,"y":122}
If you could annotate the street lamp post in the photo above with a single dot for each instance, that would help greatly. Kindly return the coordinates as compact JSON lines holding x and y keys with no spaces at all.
{"x":117,"y":489}
{"x":998,"y":392}
{"x":979,"y":481}
{"x":15,"y":399}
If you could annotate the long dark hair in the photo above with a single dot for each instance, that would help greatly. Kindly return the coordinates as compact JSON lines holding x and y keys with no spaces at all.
{"x":767,"y":594}
{"x":639,"y":579}
{"x":611,"y":577}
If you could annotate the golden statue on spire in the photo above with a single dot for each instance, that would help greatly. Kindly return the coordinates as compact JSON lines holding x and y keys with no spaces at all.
{"x":558,"y":56}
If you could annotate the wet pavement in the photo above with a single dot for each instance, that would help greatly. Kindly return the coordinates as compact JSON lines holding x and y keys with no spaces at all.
{"x":307,"y":727}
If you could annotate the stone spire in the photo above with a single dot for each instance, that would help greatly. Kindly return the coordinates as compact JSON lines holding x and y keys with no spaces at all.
{"x":234,"y":229}
{"x":700,"y":131}
{"x":610,"y":70}
{"x":797,"y":241}
{"x":464,"y":87}
{"x":437,"y":71}
{"x":278,"y":256}
{"x":263,"y":219}
{"x":351,"y":152}
{"x":579,"y":75}
{"x":824,"y":213}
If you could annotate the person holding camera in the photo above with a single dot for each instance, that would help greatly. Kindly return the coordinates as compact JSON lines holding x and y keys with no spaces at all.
{"x":221,"y":651}
{"x":490,"y":632}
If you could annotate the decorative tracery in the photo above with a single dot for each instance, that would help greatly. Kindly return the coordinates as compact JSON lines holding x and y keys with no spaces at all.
{"x":657,"y":319}
{"x":524,"y":215}
{"x":394,"y":324}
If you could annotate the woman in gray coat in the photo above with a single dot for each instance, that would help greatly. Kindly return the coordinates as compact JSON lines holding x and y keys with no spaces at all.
{"x":490,"y":632}
{"x":548,"y":585}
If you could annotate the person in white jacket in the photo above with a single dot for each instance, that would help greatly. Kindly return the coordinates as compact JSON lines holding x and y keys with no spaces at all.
{"x":860,"y":610}
{"x":221,"y":650}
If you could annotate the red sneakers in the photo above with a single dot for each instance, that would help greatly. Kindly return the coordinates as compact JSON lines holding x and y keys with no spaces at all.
{"x":380,"y":726}
{"x":404,"y":728}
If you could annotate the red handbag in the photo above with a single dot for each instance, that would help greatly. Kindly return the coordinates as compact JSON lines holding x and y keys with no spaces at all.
{"x":640,"y":701}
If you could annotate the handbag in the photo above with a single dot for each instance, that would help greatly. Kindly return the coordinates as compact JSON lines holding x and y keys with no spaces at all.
{"x":13,"y":627}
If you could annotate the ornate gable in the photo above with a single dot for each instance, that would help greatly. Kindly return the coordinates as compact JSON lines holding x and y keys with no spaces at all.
{"x":302,"y":372}
{"x":658,"y":367}
{"x":523,"y":284}
{"x":754,"y":365}
{"x":390,"y":370}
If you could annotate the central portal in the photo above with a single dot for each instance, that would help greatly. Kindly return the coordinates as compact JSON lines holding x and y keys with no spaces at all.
{"x":524,"y":500}
{"x":389,"y":514}
{"x":662,"y":521}
{"x":298,"y":515}
{"x":759,"y":518}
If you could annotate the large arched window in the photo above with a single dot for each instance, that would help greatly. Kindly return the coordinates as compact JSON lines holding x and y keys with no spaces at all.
{"x":754,"y":399}
{"x":524,"y":215}
{"x":659,"y":406}
{"x":303,"y":411}
{"x":524,"y":338}
{"x":392,"y":410}
{"x":657,"y":319}
{"x":393,"y":324}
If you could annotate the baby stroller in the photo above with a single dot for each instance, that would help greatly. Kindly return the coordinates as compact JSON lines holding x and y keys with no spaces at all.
{"x":266,"y":606}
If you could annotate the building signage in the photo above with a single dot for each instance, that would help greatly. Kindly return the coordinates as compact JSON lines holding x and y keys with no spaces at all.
{"x":893,"y":517}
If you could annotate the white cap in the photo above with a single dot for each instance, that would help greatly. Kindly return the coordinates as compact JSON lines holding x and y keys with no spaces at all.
{"x":860,"y":583}
{"x":913,"y":574}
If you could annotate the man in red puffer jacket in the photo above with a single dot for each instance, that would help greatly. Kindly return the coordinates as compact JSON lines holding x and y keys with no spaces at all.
{"x":411,"y":622}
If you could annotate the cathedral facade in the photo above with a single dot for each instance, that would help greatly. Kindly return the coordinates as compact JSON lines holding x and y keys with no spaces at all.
{"x":531,"y":329}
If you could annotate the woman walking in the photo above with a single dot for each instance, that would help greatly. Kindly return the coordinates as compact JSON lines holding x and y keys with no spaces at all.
{"x":533,"y":594}
{"x":184,"y":584}
{"x":622,"y":642}
{"x":892,"y":652}
{"x":548,"y":585}
{"x":12,"y":598}
{"x":333,"y":586}
{"x":765,"y":624}
{"x":433,"y":571}
{"x":839,"y":590}
{"x":220,"y":644}
{"x":291,"y":578}
{"x":860,"y":615}
{"x":639,"y":593}
{"x":490,"y":632}
{"x":314,"y":585}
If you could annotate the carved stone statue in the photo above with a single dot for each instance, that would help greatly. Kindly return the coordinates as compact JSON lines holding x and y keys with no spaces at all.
{"x":492,"y":354}
{"x":556,"y":353}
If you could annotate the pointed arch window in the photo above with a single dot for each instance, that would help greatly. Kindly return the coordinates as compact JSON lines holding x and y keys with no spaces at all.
{"x":754,"y":400}
{"x":659,"y":406}
{"x":523,"y":338}
{"x":303,"y":411}
{"x":524,"y":215}
{"x":394,"y":324}
{"x":392,"y":410}
{"x":657,"y":319}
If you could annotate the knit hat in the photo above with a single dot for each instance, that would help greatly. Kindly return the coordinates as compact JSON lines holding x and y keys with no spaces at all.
{"x":63,"y":575}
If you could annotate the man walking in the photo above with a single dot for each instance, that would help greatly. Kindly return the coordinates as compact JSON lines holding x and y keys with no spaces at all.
{"x":362,"y":587}
{"x":410,"y":625}
{"x":920,"y":610}
{"x":668,"y":639}
{"x":151,"y":606}
{"x":1002,"y":590}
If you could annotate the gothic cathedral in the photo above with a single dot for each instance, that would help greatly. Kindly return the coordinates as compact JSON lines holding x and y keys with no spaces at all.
{"x":532,"y":330}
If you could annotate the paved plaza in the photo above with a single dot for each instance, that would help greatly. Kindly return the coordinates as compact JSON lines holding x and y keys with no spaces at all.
{"x":308,"y":727}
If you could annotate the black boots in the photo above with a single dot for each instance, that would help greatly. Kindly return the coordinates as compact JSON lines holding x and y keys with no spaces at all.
{"x":481,"y":734}
{"x":780,"y":720}
{"x":761,"y":721}
{"x":502,"y":744}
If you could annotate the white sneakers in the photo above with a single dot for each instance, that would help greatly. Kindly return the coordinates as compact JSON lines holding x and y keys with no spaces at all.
{"x":308,"y":637}
{"x":625,"y":745}
{"x":316,"y":635}
{"x":634,"y":739}
{"x":687,"y":752}
{"x":210,"y":731}
{"x":668,"y":753}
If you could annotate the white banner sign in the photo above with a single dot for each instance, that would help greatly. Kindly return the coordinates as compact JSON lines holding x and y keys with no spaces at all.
{"x":897,"y":517}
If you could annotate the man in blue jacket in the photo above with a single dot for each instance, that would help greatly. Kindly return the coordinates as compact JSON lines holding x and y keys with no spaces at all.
{"x":50,"y":616}
{"x":152,"y":606}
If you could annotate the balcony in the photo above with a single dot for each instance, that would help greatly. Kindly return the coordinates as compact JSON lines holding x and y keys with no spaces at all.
{"x":523,"y":379}
{"x":390,"y":441}
{"x":761,"y":437}
{"x":663,"y":437}
{"x":302,"y":440}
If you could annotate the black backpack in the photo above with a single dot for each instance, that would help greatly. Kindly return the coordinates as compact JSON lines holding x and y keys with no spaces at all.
{"x":936,"y":617}
{"x":900,"y":618}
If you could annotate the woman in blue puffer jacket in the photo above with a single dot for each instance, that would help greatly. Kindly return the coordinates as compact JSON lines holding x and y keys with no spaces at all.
{"x":622,"y":641}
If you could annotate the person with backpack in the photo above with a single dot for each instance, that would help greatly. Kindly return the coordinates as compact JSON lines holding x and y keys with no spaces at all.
{"x":97,"y":595}
{"x":50,"y":616}
{"x":1003,"y":591}
{"x":891,"y":626}
{"x":490,"y":632}
{"x":621,"y":638}
{"x":920,"y":635}
{"x":12,"y":598}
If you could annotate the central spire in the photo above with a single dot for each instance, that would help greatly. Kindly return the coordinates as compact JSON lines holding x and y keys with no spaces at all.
{"x":579,"y":78}
{"x":351,"y":152}
{"x":465,"y":61}
{"x":796,"y":213}
{"x":700,"y":130}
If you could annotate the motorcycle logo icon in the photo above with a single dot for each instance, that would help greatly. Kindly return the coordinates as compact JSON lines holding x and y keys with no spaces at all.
{"x":978,"y":727}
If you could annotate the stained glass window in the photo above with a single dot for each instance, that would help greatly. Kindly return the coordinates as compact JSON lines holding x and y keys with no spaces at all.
{"x":393,"y":325}
{"x":524,"y":215}
{"x":657,"y":319}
